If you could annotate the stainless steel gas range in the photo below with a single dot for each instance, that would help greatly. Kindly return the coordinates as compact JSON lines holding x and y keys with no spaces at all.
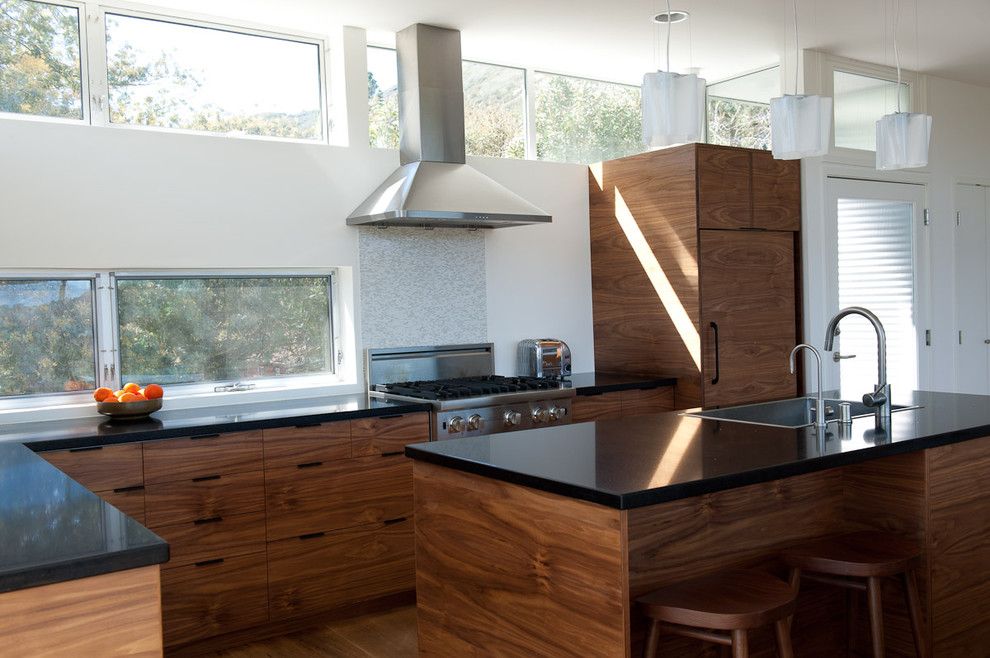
{"x":468,"y":398}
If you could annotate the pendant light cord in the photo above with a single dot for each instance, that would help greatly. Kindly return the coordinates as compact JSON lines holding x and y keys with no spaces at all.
{"x":797,"y":48}
{"x":897,"y":57}
{"x":668,"y":35}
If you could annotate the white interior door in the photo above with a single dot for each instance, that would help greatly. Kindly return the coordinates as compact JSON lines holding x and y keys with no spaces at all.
{"x":879,"y":260}
{"x":972,"y":291}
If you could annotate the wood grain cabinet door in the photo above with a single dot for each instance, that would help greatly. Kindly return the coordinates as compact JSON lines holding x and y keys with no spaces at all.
{"x":747,"y":292}
{"x":329,"y":570}
{"x":602,"y":406}
{"x":724,"y":188}
{"x":776,"y":193}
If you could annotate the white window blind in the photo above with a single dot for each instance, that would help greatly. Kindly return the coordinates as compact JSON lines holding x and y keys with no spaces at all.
{"x":876,"y":270}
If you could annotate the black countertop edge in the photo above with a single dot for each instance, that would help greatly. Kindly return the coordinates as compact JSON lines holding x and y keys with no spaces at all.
{"x":85,"y":567}
{"x":594,"y":383}
{"x":697,"y":487}
{"x":144,"y":433}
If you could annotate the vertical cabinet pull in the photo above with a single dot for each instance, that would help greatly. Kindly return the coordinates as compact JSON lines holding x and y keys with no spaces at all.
{"x":714,"y":326}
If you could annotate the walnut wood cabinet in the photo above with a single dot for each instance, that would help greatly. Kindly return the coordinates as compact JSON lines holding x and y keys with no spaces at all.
{"x":270,"y":525}
{"x":618,"y":404}
{"x":694,"y":255}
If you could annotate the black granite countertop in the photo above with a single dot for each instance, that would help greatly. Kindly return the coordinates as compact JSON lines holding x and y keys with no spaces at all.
{"x":52,"y":529}
{"x":595,"y":383}
{"x":100,"y":430}
{"x":639,"y":461}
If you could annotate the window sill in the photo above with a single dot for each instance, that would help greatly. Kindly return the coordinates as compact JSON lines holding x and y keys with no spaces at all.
{"x":187,"y":401}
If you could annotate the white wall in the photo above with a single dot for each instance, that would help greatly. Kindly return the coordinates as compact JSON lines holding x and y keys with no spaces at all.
{"x":116,"y":198}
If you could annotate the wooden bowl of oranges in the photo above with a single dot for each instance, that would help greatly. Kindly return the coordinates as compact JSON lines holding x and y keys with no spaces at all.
{"x":132,"y":401}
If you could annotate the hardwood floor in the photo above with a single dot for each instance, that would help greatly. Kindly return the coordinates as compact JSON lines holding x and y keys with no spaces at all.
{"x":389,"y":634}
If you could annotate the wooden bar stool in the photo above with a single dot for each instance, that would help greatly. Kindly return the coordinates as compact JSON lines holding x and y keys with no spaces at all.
{"x":859,"y":561}
{"x":733,"y":601}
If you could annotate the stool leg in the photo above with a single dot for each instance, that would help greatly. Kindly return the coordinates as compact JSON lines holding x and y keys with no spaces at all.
{"x":914,"y":608}
{"x":740,"y":644}
{"x":876,"y":615}
{"x":852,"y":617}
{"x":783,"y":631}
{"x":652,"y":640}
{"x":794,"y":578}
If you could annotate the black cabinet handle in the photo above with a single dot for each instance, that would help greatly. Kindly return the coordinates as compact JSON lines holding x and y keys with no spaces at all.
{"x":137,"y":487}
{"x":304,"y":426}
{"x":205,"y":478}
{"x":206,"y":563}
{"x":212,"y":519}
{"x":393,"y":453}
{"x":204,"y":436}
{"x":313,"y":535}
{"x":309,"y":464}
{"x":388,"y":416}
{"x":394,"y":521}
{"x":714,"y":326}
{"x":86,"y":449}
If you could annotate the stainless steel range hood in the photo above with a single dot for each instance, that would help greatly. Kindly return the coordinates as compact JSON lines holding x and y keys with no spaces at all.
{"x":434,"y":186}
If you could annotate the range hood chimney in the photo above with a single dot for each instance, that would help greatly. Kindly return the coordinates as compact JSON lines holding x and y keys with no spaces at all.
{"x":433,"y":186}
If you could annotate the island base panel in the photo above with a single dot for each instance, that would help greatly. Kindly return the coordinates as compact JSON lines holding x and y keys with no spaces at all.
{"x":507,"y":570}
{"x":114,"y":614}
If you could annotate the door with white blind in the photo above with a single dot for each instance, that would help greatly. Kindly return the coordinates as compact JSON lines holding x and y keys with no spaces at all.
{"x":972,"y":273}
{"x":878,"y":248}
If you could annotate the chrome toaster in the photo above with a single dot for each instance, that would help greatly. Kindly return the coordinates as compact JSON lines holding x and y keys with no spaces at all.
{"x":544,"y":357}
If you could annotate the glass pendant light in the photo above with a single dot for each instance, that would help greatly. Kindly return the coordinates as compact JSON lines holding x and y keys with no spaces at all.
{"x":673,"y":104}
{"x":800,"y":125}
{"x":902,"y":137}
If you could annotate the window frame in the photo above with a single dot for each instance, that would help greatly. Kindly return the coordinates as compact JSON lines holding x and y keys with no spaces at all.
{"x":106,"y":335}
{"x":84,"y":71}
{"x":59,"y":398}
{"x":820,"y":72}
{"x":190,"y":19}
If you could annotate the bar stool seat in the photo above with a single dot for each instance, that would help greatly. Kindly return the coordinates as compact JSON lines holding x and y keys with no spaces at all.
{"x":859,"y":561}
{"x":735,"y":601}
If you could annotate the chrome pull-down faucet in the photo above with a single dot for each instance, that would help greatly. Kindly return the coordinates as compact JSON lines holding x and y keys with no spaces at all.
{"x":879,"y":399}
{"x":820,"y":413}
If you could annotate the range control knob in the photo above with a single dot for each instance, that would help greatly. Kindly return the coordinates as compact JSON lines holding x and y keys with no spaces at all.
{"x":511,"y":418}
{"x":540,"y":415}
{"x":558,"y":413}
{"x":474,"y":422}
{"x":455,"y":425}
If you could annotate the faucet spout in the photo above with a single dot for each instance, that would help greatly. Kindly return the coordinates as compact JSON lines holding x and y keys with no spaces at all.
{"x":880,"y":398}
{"x":819,"y":399}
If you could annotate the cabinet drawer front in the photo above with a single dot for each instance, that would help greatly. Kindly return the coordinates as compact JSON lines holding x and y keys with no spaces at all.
{"x":388,"y":434}
{"x":170,"y":503}
{"x":596,"y":407}
{"x":129,"y":500}
{"x":208,"y":539}
{"x":189,"y":457}
{"x":101,"y":468}
{"x":337,"y":495}
{"x":638,"y":402}
{"x":290,"y":446}
{"x":340,"y":568}
{"x":217,"y":597}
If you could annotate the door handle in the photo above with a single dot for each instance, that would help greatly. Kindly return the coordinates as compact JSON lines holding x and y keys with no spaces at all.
{"x":714,"y":326}
{"x":838,"y":357}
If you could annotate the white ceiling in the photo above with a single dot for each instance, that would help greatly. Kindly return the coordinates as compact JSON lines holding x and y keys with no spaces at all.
{"x":617,"y":40}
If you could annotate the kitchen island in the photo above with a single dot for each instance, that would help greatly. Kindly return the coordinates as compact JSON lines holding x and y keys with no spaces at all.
{"x":538,"y":542}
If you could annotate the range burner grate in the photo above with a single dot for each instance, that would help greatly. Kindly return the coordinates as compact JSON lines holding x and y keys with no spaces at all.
{"x":467,"y":387}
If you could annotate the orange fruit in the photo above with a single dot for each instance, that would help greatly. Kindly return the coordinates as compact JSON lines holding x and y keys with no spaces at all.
{"x":153,"y":391}
{"x":102,"y":393}
{"x":129,"y":397}
{"x":140,"y":397}
{"x":117,"y":394}
{"x":131,"y":387}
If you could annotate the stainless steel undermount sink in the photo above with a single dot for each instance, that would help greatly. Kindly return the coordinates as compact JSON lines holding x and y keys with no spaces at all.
{"x":797,"y":412}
